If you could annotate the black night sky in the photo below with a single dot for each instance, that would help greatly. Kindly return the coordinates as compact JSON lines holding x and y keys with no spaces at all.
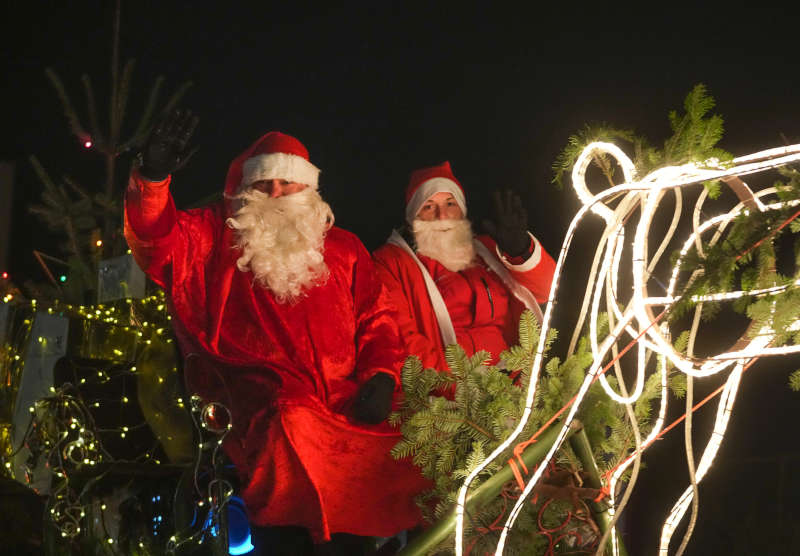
{"x":375,"y":90}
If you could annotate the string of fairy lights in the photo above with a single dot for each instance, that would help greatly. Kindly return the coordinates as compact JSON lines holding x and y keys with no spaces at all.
{"x":213,"y":422}
{"x":65,"y":436}
{"x":636,"y":320}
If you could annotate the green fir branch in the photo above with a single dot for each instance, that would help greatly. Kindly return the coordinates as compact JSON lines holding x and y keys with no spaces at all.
{"x":145,"y":121}
{"x":98,"y":138}
{"x":449,"y":438}
{"x":124,"y":90}
{"x":69,"y":111}
{"x":590,"y":133}
{"x":794,"y":381}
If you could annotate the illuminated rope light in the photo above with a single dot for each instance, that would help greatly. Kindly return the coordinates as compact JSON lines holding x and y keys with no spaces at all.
{"x":609,"y":193}
{"x":723,"y":415}
{"x":753,"y":349}
{"x":579,"y":176}
{"x":622,"y":467}
{"x":637,"y":319}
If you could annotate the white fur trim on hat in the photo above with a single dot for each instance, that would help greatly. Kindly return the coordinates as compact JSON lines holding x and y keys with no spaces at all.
{"x":429,"y":188}
{"x":279,"y":166}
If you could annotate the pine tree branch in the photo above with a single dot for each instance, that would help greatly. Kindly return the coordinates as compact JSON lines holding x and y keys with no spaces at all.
{"x":98,"y":137}
{"x":122,"y":100}
{"x":66,"y":104}
{"x":477,"y":427}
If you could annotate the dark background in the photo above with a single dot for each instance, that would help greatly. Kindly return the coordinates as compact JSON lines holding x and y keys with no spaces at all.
{"x":377,"y":90}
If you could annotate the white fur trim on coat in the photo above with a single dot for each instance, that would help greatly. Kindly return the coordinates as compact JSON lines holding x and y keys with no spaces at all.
{"x":437,"y":301}
{"x":432,"y":187}
{"x":279,"y":166}
{"x":529,"y":264}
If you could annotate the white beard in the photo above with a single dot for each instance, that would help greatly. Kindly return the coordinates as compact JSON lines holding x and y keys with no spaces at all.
{"x":282,"y":240}
{"x":447,"y":241}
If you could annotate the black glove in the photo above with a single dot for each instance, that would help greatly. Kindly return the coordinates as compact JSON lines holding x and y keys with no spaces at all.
{"x":165,"y":149}
{"x":374,"y":399}
{"x":509,"y":227}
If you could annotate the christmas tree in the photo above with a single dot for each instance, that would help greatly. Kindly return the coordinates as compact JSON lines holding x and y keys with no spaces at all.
{"x":89,"y":219}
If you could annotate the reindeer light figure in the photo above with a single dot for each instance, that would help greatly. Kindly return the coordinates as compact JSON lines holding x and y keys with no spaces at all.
{"x":637,"y":324}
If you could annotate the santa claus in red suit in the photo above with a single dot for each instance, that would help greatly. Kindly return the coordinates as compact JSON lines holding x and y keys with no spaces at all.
{"x":450,"y":286}
{"x":281,"y":318}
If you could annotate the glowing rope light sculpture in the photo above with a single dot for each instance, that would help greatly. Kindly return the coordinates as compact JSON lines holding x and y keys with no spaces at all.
{"x":637,"y":320}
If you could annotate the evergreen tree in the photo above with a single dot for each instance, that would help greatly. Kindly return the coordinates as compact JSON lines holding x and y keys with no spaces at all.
{"x":89,"y":218}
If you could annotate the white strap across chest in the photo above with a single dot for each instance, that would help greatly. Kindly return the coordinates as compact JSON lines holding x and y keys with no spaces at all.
{"x":440,"y":309}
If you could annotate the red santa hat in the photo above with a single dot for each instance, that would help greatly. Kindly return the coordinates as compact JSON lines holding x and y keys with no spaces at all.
{"x":277,"y":156}
{"x":426,"y":182}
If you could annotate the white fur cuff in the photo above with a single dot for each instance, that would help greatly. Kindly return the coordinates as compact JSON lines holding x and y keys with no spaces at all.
{"x":532,"y":261}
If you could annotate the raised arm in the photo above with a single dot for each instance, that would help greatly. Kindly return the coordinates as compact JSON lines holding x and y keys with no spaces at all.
{"x":150,"y":215}
{"x":519,"y":250}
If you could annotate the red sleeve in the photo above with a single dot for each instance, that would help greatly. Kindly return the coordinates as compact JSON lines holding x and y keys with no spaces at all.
{"x":149,"y":207}
{"x":150,"y":218}
{"x":535,"y":273}
{"x":166,"y":242}
{"x":420,"y":337}
{"x":378,"y":344}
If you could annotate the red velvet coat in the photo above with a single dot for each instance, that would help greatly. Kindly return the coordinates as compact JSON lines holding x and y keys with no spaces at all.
{"x":287,"y":372}
{"x":484,"y":312}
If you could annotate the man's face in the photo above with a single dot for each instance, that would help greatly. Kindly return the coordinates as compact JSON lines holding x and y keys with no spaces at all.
{"x":278,"y":188}
{"x":442,"y":233}
{"x":440,"y":206}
